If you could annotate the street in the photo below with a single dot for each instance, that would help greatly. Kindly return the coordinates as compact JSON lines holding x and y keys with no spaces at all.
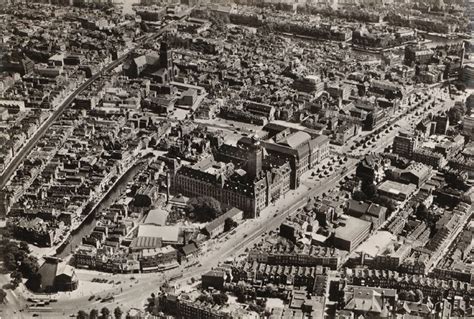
{"x":134,"y":292}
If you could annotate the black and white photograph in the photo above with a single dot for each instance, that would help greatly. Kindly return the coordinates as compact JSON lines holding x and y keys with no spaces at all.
{"x":236,"y":159}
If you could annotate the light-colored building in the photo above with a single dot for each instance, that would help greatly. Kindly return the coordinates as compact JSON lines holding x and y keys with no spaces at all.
{"x":351,"y":233}
{"x":395,"y":190}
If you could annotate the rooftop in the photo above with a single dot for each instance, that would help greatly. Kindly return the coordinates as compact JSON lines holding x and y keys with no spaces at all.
{"x":352,"y":228}
{"x":157,"y":217}
{"x":166,"y":233}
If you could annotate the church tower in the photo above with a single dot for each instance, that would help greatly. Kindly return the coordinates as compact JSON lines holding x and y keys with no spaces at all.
{"x":166,"y":59}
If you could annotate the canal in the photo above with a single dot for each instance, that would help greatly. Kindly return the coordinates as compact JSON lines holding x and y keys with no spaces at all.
{"x":75,"y":239}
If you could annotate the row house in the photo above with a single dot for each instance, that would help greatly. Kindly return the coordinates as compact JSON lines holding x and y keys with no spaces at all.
{"x":262,"y":274}
{"x":433,"y":287}
{"x":306,"y":256}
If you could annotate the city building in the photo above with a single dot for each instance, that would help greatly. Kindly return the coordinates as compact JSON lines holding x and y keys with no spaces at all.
{"x":351,"y":232}
{"x":404,"y":144}
{"x":369,"y":301}
{"x":370,"y":212}
{"x":251,"y":186}
{"x":396,"y":190}
{"x":216,"y":227}
{"x":55,"y":275}
{"x":299,"y":148}
{"x":301,"y":256}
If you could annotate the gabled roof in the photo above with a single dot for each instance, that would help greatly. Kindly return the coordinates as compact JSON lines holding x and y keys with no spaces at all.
{"x":189,"y":249}
{"x":140,"y":61}
{"x":152,"y":58}
{"x":418,"y":169}
{"x":145,"y":242}
{"x":376,"y":210}
{"x":166,"y":233}
{"x":64,"y":269}
{"x":371,"y":304}
{"x":296,"y":139}
{"x":48,"y":273}
{"x":157,"y":217}
{"x":358,"y":207}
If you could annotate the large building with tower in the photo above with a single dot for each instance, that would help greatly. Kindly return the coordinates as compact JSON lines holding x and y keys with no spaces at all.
{"x":248,"y":179}
{"x":256,"y":172}
{"x":156,"y":66}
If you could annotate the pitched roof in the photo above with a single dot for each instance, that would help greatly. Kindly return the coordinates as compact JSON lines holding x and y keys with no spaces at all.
{"x":152,"y":58}
{"x":371,"y":304}
{"x":296,"y":139}
{"x":221,"y":219}
{"x":376,"y":210}
{"x":166,"y":233}
{"x":146,"y":242}
{"x":420,"y":170}
{"x":140,"y":61}
{"x":189,"y":249}
{"x":359,"y":208}
{"x":157,"y":217}
{"x":48,"y":273}
{"x":65,"y":269}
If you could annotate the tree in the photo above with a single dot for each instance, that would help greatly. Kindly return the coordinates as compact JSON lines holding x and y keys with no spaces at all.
{"x":240,"y":293}
{"x":386,"y":202}
{"x":257,"y":308}
{"x":3,"y":295}
{"x":118,"y":313}
{"x":94,"y":314}
{"x":359,"y":196}
{"x":205,"y":298}
{"x":229,"y":223}
{"x":369,"y":189}
{"x":204,"y":208}
{"x":105,"y":313}
{"x":261,"y":302}
{"x":29,"y":266}
{"x":241,"y":298}
{"x":9,"y":261}
{"x":457,"y":179}
{"x":81,"y":314}
{"x":16,"y":278}
{"x":220,"y":298}
{"x":422,"y":212}
{"x":456,"y":113}
{"x":24,"y":247}
{"x":461,"y":86}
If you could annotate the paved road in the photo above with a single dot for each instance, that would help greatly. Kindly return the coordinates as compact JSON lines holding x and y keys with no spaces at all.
{"x":28,"y":147}
{"x":133,"y":293}
{"x":16,"y":300}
